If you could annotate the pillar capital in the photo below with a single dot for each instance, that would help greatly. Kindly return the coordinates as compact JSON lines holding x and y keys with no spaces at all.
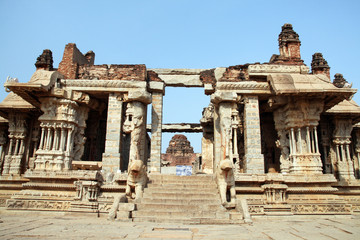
{"x":220,"y":96}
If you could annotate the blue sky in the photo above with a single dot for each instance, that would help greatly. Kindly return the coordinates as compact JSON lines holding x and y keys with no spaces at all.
{"x":177,"y":34}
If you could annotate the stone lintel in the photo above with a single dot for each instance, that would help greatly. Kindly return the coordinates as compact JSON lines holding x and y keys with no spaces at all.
{"x":180,"y":77}
{"x":178,"y":127}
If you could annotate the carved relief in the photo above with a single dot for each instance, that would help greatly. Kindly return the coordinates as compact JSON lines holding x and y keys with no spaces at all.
{"x":299,"y":119}
{"x":38,"y":205}
{"x":343,"y":163}
{"x":87,"y":191}
{"x":135,"y":125}
{"x":283,"y":142}
{"x":275,"y":193}
{"x":320,"y":208}
{"x":17,"y":136}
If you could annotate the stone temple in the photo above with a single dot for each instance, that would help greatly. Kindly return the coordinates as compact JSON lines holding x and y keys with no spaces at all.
{"x":278,"y":139}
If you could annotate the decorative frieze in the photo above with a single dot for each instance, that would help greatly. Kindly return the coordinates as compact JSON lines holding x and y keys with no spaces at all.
{"x":48,"y":205}
{"x":318,"y":208}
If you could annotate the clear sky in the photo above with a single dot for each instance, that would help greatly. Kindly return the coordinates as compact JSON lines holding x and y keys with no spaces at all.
{"x":177,"y":34}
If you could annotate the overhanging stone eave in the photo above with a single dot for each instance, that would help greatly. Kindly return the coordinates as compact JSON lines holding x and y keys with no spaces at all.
{"x":28,"y":92}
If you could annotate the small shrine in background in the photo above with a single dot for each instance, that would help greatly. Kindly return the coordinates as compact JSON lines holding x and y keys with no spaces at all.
{"x":179,"y":152}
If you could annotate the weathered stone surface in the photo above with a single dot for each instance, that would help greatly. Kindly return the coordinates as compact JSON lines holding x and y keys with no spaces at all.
{"x":180,"y":77}
{"x":283,"y":139}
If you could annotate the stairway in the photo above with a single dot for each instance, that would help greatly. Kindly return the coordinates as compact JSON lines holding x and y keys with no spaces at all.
{"x":183,"y":199}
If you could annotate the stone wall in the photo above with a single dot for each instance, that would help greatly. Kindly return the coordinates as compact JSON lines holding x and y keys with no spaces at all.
{"x":113,"y":72}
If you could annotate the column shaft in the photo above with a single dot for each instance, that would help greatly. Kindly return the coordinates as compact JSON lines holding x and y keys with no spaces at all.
{"x":252,"y":136}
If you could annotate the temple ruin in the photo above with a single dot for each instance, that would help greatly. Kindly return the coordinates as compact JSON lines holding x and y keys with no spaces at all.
{"x":278,"y":138}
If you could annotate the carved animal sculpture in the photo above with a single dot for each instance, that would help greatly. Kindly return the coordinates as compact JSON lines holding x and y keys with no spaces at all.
{"x":136,"y":180}
{"x":226,"y":181}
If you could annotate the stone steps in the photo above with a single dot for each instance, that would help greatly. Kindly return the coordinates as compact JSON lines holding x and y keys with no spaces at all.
{"x":180,"y":214}
{"x":182,"y":199}
{"x":180,"y":207}
{"x":179,"y":186}
{"x":177,"y":195}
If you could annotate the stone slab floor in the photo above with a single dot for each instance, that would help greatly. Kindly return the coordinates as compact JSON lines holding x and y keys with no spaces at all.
{"x":44,"y":225}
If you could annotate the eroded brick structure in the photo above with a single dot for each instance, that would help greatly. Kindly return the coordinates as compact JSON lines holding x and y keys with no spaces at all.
{"x":179,"y":152}
{"x":285,"y":139}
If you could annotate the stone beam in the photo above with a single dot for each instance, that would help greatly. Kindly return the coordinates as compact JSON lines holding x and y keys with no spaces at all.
{"x":180,"y":77}
{"x":178,"y":127}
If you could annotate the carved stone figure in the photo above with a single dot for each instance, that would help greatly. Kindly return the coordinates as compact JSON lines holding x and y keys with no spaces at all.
{"x":79,"y":143}
{"x":136,"y":180}
{"x":134,"y":125}
{"x":207,"y":115}
{"x":283,"y":144}
{"x":226,"y":182}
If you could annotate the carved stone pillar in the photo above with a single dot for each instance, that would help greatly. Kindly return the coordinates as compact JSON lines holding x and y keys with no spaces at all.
{"x":296,"y":124}
{"x":284,"y":142}
{"x":252,"y":138}
{"x":3,"y":141}
{"x":343,"y":165}
{"x":156,"y":133}
{"x":17,"y":134}
{"x":207,"y":141}
{"x":63,"y":121}
{"x":112,"y":160}
{"x":134,"y":125}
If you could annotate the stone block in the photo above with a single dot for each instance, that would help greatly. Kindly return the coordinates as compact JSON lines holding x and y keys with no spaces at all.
{"x":127,"y":207}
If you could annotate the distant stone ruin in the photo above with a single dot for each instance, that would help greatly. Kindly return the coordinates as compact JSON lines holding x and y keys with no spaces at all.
{"x":179,"y":152}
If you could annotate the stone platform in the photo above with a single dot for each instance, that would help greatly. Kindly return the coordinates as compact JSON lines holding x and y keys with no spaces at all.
{"x":40,"y":225}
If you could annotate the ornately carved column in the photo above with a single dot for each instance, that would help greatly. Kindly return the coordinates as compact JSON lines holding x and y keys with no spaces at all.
{"x":62,"y":134}
{"x":357,"y":153}
{"x":135,"y":125}
{"x":343,"y":165}
{"x":17,"y":135}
